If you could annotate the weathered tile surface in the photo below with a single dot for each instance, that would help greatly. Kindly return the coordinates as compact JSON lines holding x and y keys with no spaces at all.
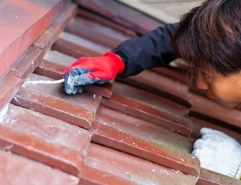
{"x":154,"y":100}
{"x":211,"y":178}
{"x":51,"y":99}
{"x":66,"y":17}
{"x":44,"y":139}
{"x":145,"y":133}
{"x":96,"y":32}
{"x":208,"y":110}
{"x":83,"y":13}
{"x":27,"y":62}
{"x":10,"y":86}
{"x":46,"y":40}
{"x":145,"y":140}
{"x":23,"y":22}
{"x":94,"y":176}
{"x":15,"y":169}
{"x":149,"y":113}
{"x":77,"y":47}
{"x":53,"y":64}
{"x":175,"y":74}
{"x":123,"y":15}
{"x":133,"y":169}
{"x":161,"y":85}
{"x":199,"y":123}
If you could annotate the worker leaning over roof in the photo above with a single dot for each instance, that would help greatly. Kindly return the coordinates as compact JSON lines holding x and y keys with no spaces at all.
{"x":208,"y":39}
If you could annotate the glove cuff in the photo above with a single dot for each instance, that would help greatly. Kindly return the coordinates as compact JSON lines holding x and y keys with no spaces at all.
{"x":238,"y":174}
{"x":238,"y":161}
{"x":117,"y":60}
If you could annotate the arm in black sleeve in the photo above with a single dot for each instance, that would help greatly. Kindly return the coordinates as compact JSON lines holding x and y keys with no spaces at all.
{"x":151,"y":50}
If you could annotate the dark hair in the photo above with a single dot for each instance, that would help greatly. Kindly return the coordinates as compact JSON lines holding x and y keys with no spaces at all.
{"x":210,"y":34}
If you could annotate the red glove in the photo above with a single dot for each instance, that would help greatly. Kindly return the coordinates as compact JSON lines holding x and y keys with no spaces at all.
{"x":89,"y":70}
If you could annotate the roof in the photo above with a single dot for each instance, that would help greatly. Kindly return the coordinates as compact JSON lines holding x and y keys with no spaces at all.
{"x":136,"y":130}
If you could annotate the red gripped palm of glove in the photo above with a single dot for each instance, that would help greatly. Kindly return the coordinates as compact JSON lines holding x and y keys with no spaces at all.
{"x":89,"y":70}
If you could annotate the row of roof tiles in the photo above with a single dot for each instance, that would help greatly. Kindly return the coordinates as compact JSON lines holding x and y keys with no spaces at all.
{"x":137,"y":130}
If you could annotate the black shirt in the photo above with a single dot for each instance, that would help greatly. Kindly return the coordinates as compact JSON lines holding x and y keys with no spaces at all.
{"x":151,"y":50}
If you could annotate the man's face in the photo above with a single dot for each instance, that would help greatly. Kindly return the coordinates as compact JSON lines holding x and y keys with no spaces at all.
{"x":225,"y":90}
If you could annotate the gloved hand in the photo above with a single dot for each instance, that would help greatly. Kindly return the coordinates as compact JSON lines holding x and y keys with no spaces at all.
{"x":218,"y":152}
{"x":89,"y":70}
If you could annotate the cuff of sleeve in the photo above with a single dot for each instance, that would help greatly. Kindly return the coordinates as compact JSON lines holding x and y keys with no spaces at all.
{"x":124,"y":58}
{"x":117,"y":59}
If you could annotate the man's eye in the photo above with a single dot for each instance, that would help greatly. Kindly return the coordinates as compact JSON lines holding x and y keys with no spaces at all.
{"x":205,"y":75}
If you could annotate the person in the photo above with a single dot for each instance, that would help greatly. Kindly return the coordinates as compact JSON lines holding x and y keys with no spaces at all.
{"x":208,"y":39}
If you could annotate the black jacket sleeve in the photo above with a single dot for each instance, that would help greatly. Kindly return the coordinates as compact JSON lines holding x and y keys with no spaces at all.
{"x":151,"y":50}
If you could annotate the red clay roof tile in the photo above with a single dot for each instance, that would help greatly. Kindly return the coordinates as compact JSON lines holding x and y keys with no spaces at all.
{"x":76,"y":46}
{"x":145,"y":133}
{"x":46,"y":40}
{"x":215,"y":113}
{"x":103,"y":35}
{"x":79,"y":110}
{"x":210,"y":178}
{"x":154,"y":100}
{"x":133,"y":169}
{"x":16,"y":169}
{"x":120,"y":13}
{"x":53,"y":64}
{"x":161,"y":85}
{"x":27,"y":62}
{"x":10,"y":86}
{"x":83,"y":13}
{"x":175,"y":74}
{"x":145,"y":140}
{"x":200,"y":123}
{"x":44,"y":139}
{"x":149,"y":113}
{"x":24,"y":21}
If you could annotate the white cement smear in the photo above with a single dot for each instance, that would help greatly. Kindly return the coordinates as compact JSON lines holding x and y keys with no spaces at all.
{"x":3,"y":112}
{"x":45,"y":82}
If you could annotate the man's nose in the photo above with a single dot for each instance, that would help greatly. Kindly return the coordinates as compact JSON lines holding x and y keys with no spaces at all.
{"x":201,"y":84}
